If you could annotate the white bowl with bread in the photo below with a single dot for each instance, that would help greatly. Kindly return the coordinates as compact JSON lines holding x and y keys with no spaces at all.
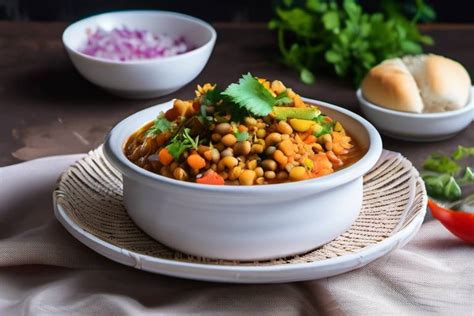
{"x":418,"y":98}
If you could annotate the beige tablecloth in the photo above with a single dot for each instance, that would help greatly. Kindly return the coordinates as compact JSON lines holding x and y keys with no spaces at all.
{"x":45,"y":271}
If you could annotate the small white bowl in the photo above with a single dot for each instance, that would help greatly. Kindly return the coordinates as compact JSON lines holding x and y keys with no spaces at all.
{"x":244,"y":222}
{"x":149,"y":78}
{"x":420,"y":127}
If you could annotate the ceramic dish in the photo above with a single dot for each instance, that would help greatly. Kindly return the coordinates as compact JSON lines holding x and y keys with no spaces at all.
{"x":244,"y":222}
{"x":417,"y":127}
{"x":142,"y":78}
{"x":89,"y":203}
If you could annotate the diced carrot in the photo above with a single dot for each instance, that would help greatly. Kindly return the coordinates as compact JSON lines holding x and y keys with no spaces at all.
{"x":196,"y":162}
{"x":172,"y":114}
{"x":310,"y":139}
{"x":211,"y":177}
{"x":165,"y":157}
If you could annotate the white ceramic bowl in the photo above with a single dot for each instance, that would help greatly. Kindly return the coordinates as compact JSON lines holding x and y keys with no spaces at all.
{"x":142,"y":78}
{"x":244,"y":222}
{"x":417,"y":126}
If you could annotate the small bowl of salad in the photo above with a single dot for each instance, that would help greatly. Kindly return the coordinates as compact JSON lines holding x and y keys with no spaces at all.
{"x":252,"y":171}
{"x":139,"y":54}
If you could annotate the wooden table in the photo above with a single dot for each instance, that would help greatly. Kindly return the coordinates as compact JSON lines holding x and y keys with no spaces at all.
{"x":47,"y":108}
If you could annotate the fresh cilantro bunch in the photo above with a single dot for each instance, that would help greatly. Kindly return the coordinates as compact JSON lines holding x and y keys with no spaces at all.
{"x":343,"y":39}
{"x":445,"y":176}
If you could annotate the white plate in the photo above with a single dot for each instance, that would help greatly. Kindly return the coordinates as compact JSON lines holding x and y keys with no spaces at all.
{"x":243,"y":274}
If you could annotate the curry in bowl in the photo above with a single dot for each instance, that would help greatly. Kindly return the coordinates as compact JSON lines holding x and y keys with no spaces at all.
{"x":253,"y":132}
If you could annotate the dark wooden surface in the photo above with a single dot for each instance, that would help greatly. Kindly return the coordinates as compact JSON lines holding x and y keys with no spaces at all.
{"x":47,"y":108}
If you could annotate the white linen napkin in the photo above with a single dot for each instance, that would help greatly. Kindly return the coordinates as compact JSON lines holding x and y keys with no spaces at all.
{"x":45,"y":271}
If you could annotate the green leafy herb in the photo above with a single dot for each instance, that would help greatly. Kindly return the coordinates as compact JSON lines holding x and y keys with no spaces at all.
{"x":241,"y":136}
{"x":282,"y":99}
{"x":160,"y":125}
{"x":440,"y":163}
{"x":339,"y":36}
{"x":326,"y":129}
{"x":463,"y":152}
{"x":468,"y":176}
{"x":212,"y":97}
{"x":181,"y":142}
{"x":251,"y":95}
{"x":443,"y":179}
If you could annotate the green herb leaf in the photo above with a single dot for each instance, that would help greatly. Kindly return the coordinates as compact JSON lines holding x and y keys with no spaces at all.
{"x":306,"y":76}
{"x":212,"y":97}
{"x":283,"y":99}
{"x":313,"y":34}
{"x":241,"y":136}
{"x":160,"y":125}
{"x":326,"y":129}
{"x":251,"y":95}
{"x":452,"y":191}
{"x":331,"y":20}
{"x":181,"y":142}
{"x":440,"y":163}
{"x":468,"y":176}
{"x":463,"y":152}
{"x":177,"y":148}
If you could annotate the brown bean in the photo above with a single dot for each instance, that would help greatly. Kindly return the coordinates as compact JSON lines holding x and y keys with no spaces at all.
{"x":180,"y":174}
{"x":273,"y":139}
{"x":270,"y":175}
{"x":270,"y":150}
{"x":223,"y":128}
{"x":269,"y":164}
{"x":284,"y":128}
{"x":228,"y":152}
{"x":229,"y":140}
{"x":261,"y":133}
{"x":257,"y":148}
{"x":216,"y":137}
{"x":242,"y":148}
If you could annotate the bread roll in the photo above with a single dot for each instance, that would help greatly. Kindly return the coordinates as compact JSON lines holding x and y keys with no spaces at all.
{"x":444,"y":83}
{"x":423,"y":83}
{"x":391,"y":85}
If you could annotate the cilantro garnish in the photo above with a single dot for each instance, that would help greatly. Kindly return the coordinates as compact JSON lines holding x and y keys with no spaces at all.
{"x":181,"y":142}
{"x":326,"y":129}
{"x":212,"y":97}
{"x":160,"y":125}
{"x":251,"y":95}
{"x":241,"y":136}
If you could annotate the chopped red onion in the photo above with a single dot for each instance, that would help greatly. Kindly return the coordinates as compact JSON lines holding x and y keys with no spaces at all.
{"x":123,"y":44}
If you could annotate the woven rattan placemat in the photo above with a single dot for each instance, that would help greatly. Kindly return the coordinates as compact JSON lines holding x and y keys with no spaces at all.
{"x":90,"y":192}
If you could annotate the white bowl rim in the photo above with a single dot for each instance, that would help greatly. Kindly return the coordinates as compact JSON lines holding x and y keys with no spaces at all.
{"x":113,"y":151}
{"x":364,"y":102}
{"x":143,"y":61}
